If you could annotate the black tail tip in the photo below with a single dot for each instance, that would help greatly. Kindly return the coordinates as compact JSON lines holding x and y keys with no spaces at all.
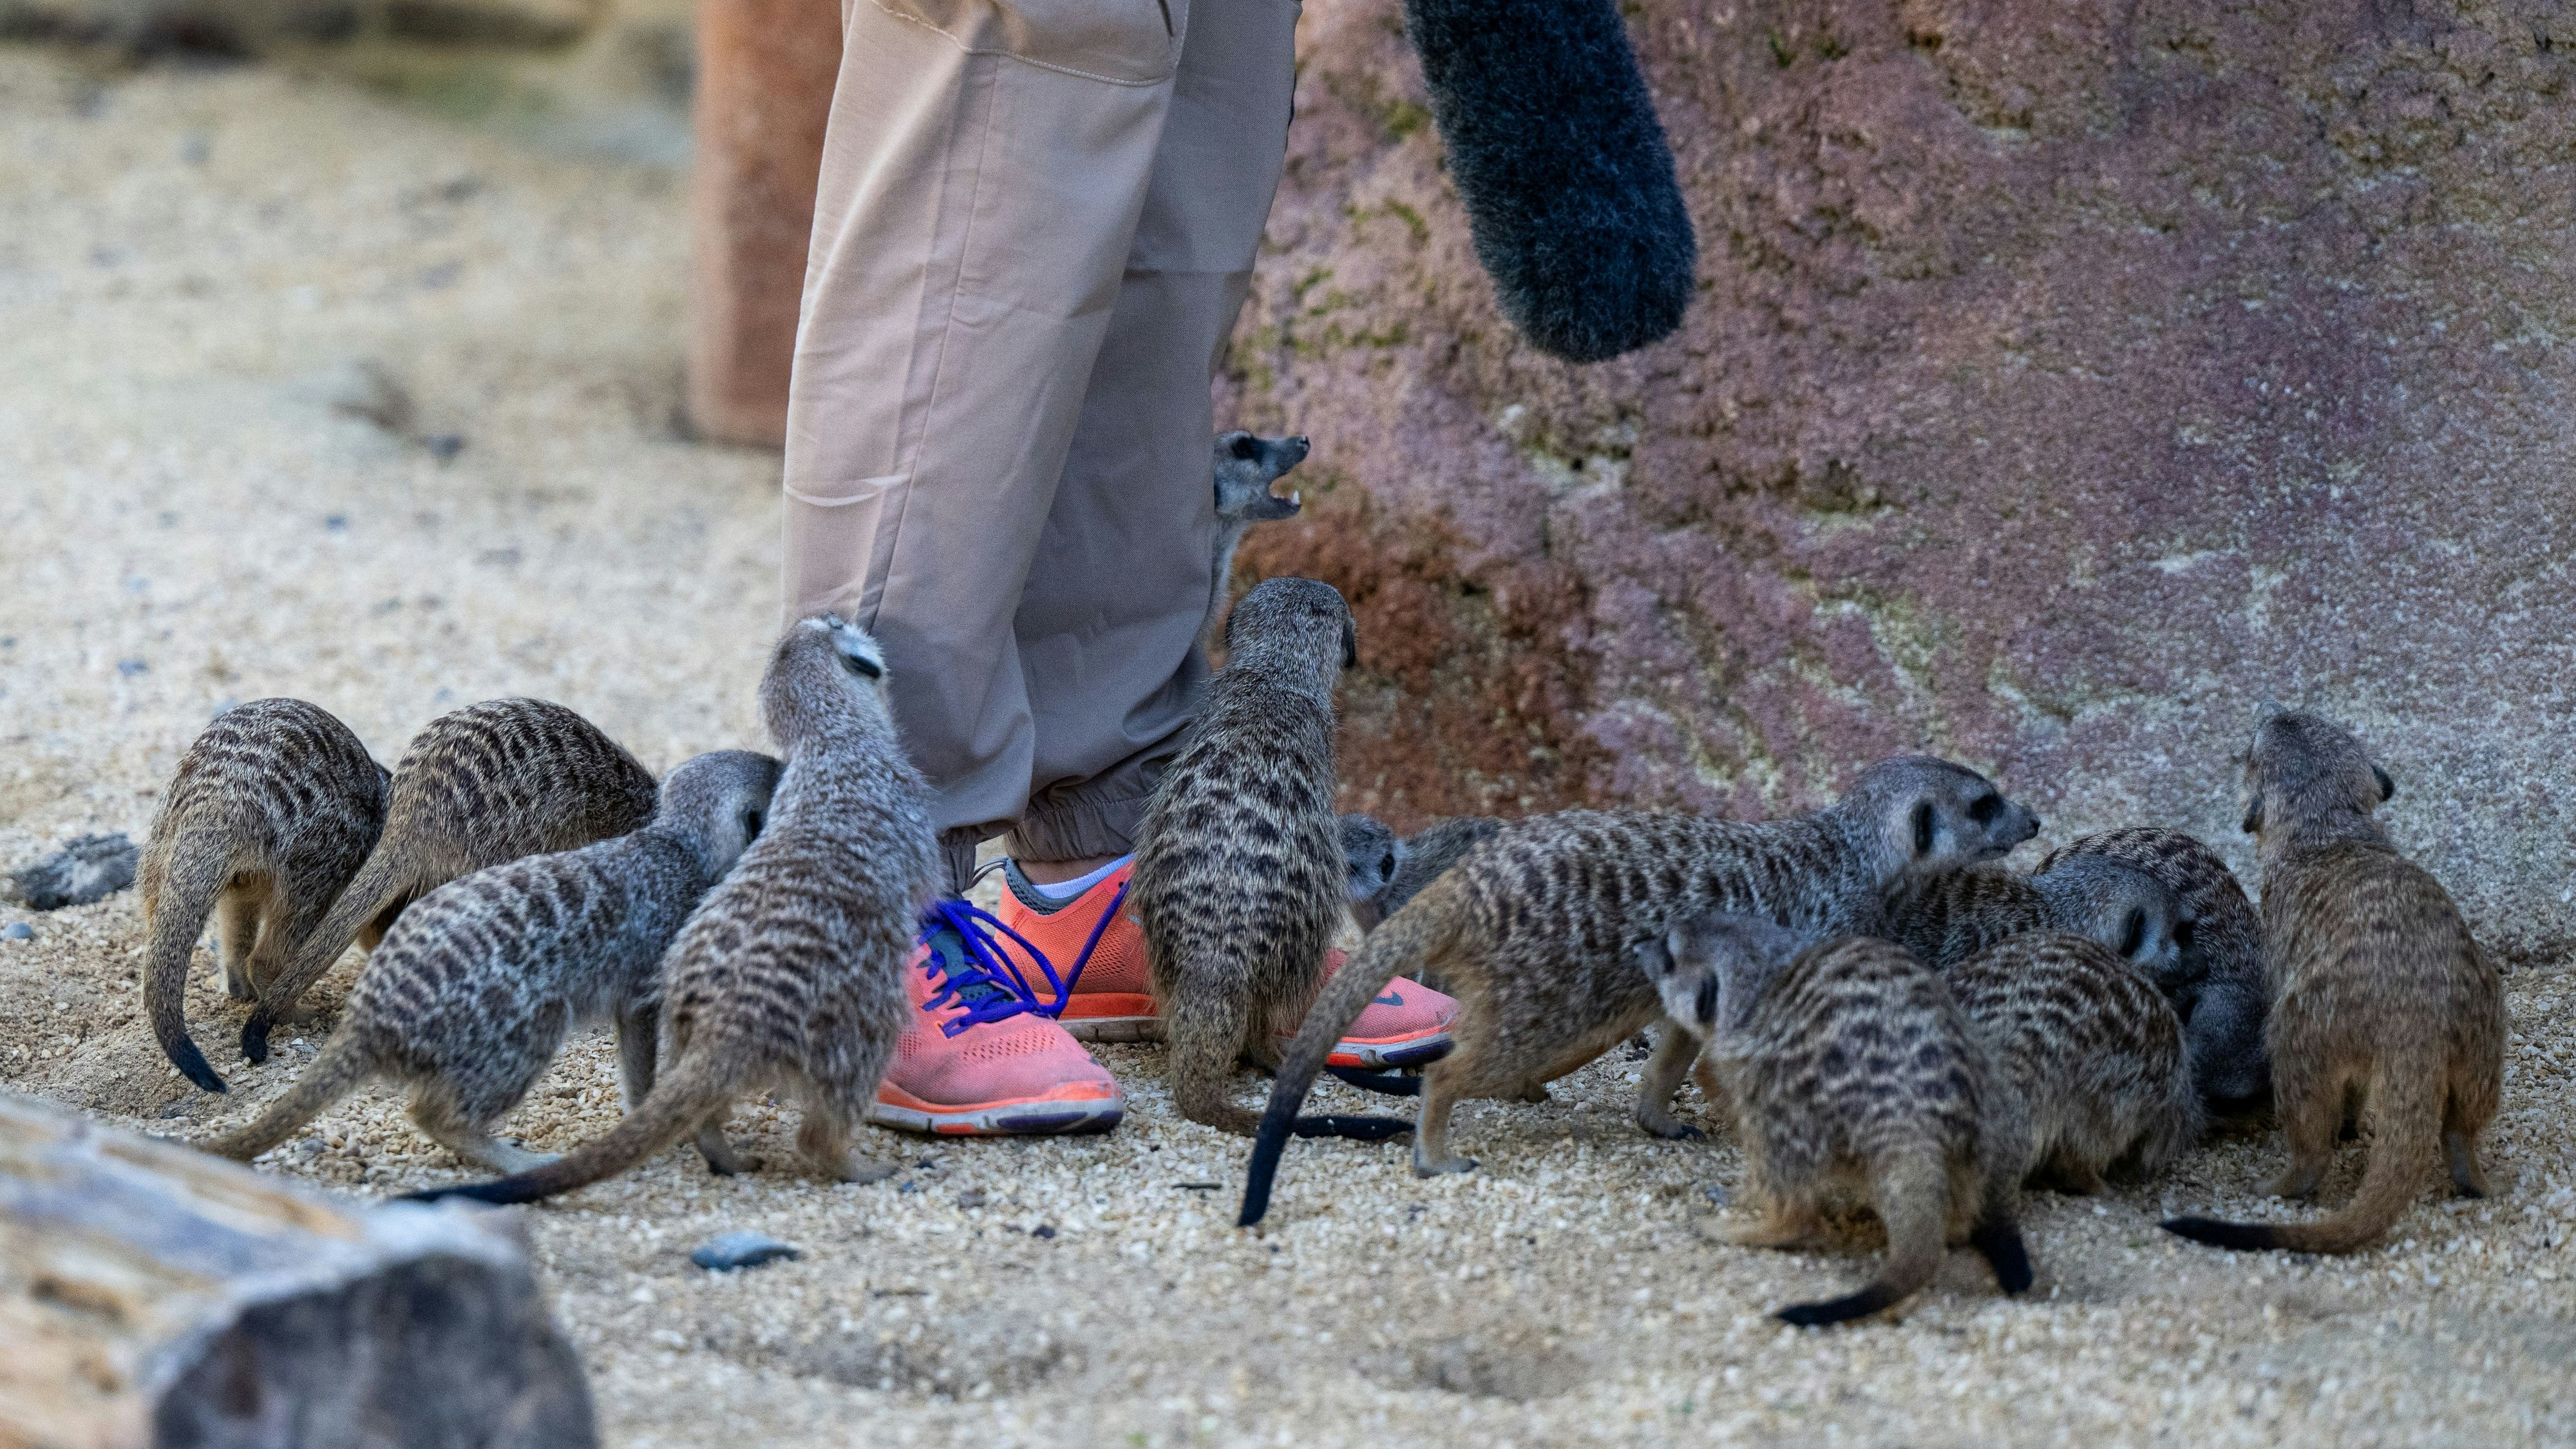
{"x":2240,"y":1237}
{"x":254,"y":1038}
{"x":2002,"y":1246}
{"x":1867,"y":1301}
{"x":487,"y":1192}
{"x":192,"y":1065}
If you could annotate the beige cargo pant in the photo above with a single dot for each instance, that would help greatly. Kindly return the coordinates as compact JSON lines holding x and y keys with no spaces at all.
{"x":1036,"y":224}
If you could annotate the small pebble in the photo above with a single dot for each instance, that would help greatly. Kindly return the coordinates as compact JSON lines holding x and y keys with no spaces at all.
{"x":131,"y":667}
{"x":17,"y":931}
{"x":1716,"y":1193}
{"x":1043,"y":1230}
{"x":728,"y":1251}
{"x":336,"y":522}
{"x":972,"y":1197}
{"x":444,"y":446}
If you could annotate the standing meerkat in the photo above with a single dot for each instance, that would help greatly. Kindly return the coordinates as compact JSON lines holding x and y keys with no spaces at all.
{"x":478,"y":787}
{"x":1852,"y":1072}
{"x":1946,"y":916}
{"x":1240,"y":875}
{"x":2093,"y":1049}
{"x":1246,"y":466}
{"x":274,"y":807}
{"x":475,"y":987}
{"x":1531,"y":932}
{"x":2217,"y":982}
{"x":788,"y":974}
{"x":2382,"y":999}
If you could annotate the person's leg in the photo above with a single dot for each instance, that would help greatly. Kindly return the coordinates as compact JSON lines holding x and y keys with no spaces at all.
{"x":1109,"y":616}
{"x":983,"y":172}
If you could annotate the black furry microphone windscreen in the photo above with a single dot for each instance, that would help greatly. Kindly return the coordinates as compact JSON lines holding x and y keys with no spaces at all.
{"x":1556,"y":151}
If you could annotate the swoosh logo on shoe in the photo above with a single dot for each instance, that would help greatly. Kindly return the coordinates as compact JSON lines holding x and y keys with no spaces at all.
{"x":1390,"y":999}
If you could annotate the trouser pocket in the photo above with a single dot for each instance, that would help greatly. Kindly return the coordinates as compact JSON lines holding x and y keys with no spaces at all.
{"x":1127,"y":42}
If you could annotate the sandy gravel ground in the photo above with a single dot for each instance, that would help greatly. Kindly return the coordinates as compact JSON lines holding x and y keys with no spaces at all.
{"x":191,"y":264}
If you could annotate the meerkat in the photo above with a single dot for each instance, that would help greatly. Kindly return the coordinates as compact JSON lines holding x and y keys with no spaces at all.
{"x":789,"y":974}
{"x":2217,"y":982}
{"x":1946,"y":916}
{"x":1852,"y":1072}
{"x":1422,"y":858}
{"x":476,"y":985}
{"x":1246,"y":466}
{"x":1240,"y":876}
{"x":1531,"y":932}
{"x":1373,"y":854}
{"x":274,"y":808}
{"x":478,"y":787}
{"x":2092,"y":1047}
{"x":2381,"y":997}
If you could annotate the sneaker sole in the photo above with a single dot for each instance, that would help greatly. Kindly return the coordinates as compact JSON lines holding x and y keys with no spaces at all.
{"x":1055,"y":1118}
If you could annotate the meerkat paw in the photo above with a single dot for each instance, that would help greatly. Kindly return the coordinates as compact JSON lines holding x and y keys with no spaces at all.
{"x":2298,"y":1182}
{"x":856,"y":1168}
{"x":1534,"y":1093}
{"x":1435,"y":1168}
{"x":2466,"y":1173}
{"x":237,"y":986}
{"x":721,"y":1158}
{"x":1770,"y":1231}
{"x":1664,"y":1124}
{"x":511,"y":1159}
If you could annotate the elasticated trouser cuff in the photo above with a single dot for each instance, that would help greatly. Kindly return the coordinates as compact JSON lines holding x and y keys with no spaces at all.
{"x":1082,"y":830}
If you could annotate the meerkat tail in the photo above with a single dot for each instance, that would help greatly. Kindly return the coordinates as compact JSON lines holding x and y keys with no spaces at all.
{"x":681,"y":1100}
{"x":1998,"y":1238}
{"x":1912,"y":1190}
{"x":200,"y":866}
{"x":2404,"y":1145}
{"x":337,"y":1072}
{"x":378,"y":883}
{"x":1405,"y":940}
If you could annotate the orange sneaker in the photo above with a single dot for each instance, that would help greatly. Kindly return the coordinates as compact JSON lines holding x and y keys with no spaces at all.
{"x":1097,"y":950}
{"x":980,"y":1057}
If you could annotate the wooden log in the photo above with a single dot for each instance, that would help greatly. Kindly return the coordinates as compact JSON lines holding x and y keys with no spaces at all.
{"x":765,"y":74}
{"x":151,"y":1295}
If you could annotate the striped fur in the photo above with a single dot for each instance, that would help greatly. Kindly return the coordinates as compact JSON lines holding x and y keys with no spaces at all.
{"x":1853,"y":1073}
{"x":2217,"y":982}
{"x":2092,"y":1047}
{"x":1947,"y":916}
{"x":788,"y":974}
{"x":2383,"y":1001}
{"x":1240,"y":876}
{"x":485,"y":784}
{"x":476,"y":985}
{"x":1531,"y":930}
{"x":274,"y":807}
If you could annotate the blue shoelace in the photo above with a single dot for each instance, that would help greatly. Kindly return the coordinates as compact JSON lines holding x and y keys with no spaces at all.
{"x":987,"y":984}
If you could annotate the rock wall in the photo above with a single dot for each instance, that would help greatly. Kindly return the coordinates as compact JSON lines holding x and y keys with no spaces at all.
{"x":2068,"y":378}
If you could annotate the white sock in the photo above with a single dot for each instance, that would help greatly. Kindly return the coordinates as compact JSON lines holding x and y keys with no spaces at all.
{"x":1067,"y":890}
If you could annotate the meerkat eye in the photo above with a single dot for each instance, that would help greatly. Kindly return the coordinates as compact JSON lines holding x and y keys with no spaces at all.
{"x":2387,"y":786}
{"x":2182,"y":934}
{"x":1386,"y":866}
{"x":2133,"y":933}
{"x":1245,"y":447}
{"x":1705,"y":1003}
{"x":751,"y":823}
{"x":2254,"y":816}
{"x":1923,"y":828}
{"x":1986,"y":808}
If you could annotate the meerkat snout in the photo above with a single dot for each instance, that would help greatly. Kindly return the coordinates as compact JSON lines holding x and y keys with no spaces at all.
{"x":1374,"y":855}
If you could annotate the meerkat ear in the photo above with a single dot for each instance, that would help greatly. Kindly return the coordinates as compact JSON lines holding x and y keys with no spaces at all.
{"x":2133,"y":933}
{"x":1922,"y":827}
{"x":2254,"y":815}
{"x":2387,"y":786}
{"x":1350,"y":645}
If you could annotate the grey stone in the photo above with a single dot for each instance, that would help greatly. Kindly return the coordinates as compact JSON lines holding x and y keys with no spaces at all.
{"x":91,"y":868}
{"x":728,"y":1251}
